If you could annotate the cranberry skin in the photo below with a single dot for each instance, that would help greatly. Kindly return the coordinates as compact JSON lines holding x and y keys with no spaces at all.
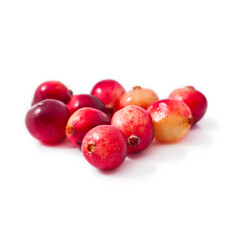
{"x":136,"y":125}
{"x":195,"y":100}
{"x":46,"y":120}
{"x":85,"y":100}
{"x":109,"y":92}
{"x":82,"y":121}
{"x":104,"y":147}
{"x":142,"y":97}
{"x":52,"y":90}
{"x":171,"y":118}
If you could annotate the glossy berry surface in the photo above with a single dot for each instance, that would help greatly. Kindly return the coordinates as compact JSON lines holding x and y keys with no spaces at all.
{"x":195,"y":100}
{"x":142,"y":97}
{"x":46,"y":120}
{"x":52,"y":90}
{"x":85,"y":100}
{"x":82,"y":121}
{"x":104,"y":147}
{"x":109,"y":92}
{"x":172,"y":119}
{"x":136,"y":125}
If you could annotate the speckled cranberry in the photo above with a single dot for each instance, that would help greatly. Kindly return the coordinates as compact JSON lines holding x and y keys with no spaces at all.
{"x":52,"y":90}
{"x":104,"y":147}
{"x":195,"y":100}
{"x":136,"y":125}
{"x":171,"y":118}
{"x":46,"y":120}
{"x":82,"y":121}
{"x":109,"y":92}
{"x":85,"y":100}
{"x":142,"y":97}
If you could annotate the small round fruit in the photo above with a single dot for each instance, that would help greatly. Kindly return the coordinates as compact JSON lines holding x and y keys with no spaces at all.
{"x":109,"y":92}
{"x":46,"y":120}
{"x":171,"y":118}
{"x":136,"y":125}
{"x":85,"y":100}
{"x":195,"y":100}
{"x":104,"y":147}
{"x":142,"y":97}
{"x":52,"y":90}
{"x":82,"y":121}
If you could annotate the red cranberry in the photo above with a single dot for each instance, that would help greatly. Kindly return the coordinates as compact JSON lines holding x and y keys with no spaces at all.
{"x":85,"y":100}
{"x":104,"y":147}
{"x":136,"y":125}
{"x":46,"y":120}
{"x":171,"y":118}
{"x":52,"y":90}
{"x":195,"y":100}
{"x":138,"y":96}
{"x":82,"y":121}
{"x":109,"y":92}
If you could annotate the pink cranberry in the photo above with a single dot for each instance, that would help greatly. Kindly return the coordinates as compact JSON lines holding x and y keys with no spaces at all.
{"x":85,"y":100}
{"x":104,"y":147}
{"x":136,"y":125}
{"x":52,"y":90}
{"x":46,"y":120}
{"x":171,"y":118}
{"x":82,"y":121}
{"x":109,"y":92}
{"x":195,"y":100}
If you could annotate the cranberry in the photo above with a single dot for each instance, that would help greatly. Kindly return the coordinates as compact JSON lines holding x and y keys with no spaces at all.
{"x":47,"y":119}
{"x":104,"y":147}
{"x":52,"y":90}
{"x":109,"y":92}
{"x":136,"y":125}
{"x":172,"y":119}
{"x":195,"y":100}
{"x":141,"y":97}
{"x":82,"y":121}
{"x":85,"y":100}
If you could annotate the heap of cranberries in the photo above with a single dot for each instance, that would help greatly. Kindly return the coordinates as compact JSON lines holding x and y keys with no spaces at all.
{"x":110,"y":123}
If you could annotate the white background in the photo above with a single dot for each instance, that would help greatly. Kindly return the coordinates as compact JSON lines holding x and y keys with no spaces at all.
{"x":186,"y":190}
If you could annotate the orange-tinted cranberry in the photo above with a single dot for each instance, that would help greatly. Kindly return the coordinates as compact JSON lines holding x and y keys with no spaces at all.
{"x":138,"y":96}
{"x":171,"y":118}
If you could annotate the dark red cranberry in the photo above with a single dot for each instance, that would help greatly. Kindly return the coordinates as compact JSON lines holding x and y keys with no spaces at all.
{"x":85,"y":100}
{"x":82,"y":121}
{"x":46,"y":120}
{"x":104,"y":147}
{"x":52,"y":90}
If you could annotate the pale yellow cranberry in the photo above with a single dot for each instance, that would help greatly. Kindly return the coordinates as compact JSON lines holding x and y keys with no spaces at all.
{"x":142,"y":97}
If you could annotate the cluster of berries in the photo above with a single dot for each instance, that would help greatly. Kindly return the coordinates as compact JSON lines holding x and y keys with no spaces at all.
{"x":110,"y":123}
